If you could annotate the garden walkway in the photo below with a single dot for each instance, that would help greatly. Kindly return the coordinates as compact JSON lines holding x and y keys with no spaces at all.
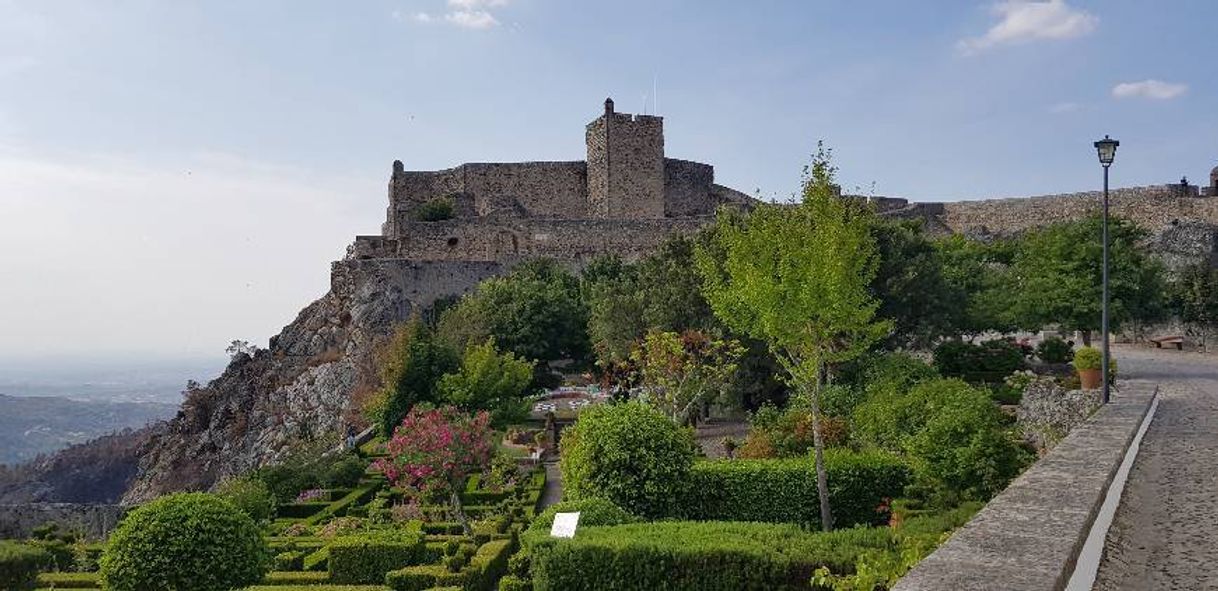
{"x":1165,"y":533}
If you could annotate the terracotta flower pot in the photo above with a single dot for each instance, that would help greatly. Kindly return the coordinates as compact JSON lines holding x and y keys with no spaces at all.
{"x":1090,"y":378}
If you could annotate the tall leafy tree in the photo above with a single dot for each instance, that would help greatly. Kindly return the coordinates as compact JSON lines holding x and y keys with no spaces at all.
{"x":797,"y":277}
{"x":1057,"y":276}
{"x":489,"y":380}
{"x":1195,"y":298}
{"x":411,"y":367}
{"x":914,"y":294}
{"x":981,"y":272}
{"x":681,"y":372}
{"x":535,"y":312}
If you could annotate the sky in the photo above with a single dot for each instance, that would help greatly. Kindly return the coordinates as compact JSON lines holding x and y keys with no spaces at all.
{"x":176,"y":175}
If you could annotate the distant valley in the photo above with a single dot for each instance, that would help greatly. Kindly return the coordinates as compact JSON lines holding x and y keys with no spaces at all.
{"x":33,"y":425}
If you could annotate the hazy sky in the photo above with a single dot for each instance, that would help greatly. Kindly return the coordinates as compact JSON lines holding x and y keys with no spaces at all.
{"x":174,"y":175}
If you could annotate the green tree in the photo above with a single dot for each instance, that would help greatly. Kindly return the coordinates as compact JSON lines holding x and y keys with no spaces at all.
{"x":682,"y":372}
{"x":797,"y":277}
{"x":535,"y":312}
{"x":1195,"y":298}
{"x":489,"y":380}
{"x":411,"y":367}
{"x":981,"y":272}
{"x":1057,"y":272}
{"x":913,"y":292}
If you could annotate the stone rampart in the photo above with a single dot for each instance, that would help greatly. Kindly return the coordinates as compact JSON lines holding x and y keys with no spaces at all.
{"x":685,"y":188}
{"x":542,"y":189}
{"x":1151,"y":207}
{"x":1028,"y":538}
{"x":94,"y":521}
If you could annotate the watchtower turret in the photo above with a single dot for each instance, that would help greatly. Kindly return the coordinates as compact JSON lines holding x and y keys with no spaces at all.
{"x":625,"y":165}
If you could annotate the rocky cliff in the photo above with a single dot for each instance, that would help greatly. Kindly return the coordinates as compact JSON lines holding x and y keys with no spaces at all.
{"x":301,"y":387}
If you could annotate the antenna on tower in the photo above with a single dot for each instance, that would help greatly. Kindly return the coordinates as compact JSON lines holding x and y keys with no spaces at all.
{"x":655,"y":93}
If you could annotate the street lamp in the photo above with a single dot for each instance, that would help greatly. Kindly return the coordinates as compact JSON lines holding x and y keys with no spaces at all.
{"x":1107,"y":152}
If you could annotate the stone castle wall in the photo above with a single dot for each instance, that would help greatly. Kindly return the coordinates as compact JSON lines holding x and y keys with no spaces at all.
{"x":505,"y":239}
{"x":1152,"y":207}
{"x":539,"y":189}
{"x":685,"y":184}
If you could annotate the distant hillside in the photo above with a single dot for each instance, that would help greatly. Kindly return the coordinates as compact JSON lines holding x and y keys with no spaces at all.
{"x":95,"y":472}
{"x":34,"y":425}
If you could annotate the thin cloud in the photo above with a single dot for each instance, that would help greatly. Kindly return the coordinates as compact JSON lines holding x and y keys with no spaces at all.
{"x":1149,"y":89}
{"x":1021,"y":22}
{"x":1066,"y":107}
{"x":467,"y":14}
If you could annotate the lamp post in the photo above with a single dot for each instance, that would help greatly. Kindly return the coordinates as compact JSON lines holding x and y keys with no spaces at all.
{"x":1107,"y":152}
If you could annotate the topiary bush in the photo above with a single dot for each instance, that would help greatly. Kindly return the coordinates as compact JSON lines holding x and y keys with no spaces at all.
{"x":1054,"y":350}
{"x":1088,"y":358}
{"x":250,"y":495}
{"x":19,"y":565}
{"x":784,"y":491}
{"x":345,"y":472}
{"x":195,"y":541}
{"x":630,"y":454}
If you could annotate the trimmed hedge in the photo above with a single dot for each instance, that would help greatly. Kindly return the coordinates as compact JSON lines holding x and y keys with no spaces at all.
{"x":316,"y":588}
{"x":420,"y":578}
{"x":19,"y":565}
{"x":591,"y":512}
{"x":296,"y":578}
{"x":784,"y":491}
{"x":69,"y":581}
{"x":302,"y":510}
{"x":365,"y":559}
{"x":488,"y":564}
{"x":697,"y":556}
{"x":338,"y":508}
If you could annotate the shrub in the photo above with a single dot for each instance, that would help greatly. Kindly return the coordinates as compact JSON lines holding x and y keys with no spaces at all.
{"x":784,"y":491}
{"x":630,"y":454}
{"x":488,"y":565}
{"x":788,"y":433}
{"x":682,"y":556}
{"x":345,"y":472}
{"x":1088,"y":358}
{"x":990,"y":361}
{"x":191,"y":541}
{"x":67,"y":581}
{"x":592,"y":511}
{"x":1054,"y":350}
{"x":19,"y":565}
{"x":953,"y":433}
{"x":250,"y":495}
{"x":514,"y":583}
{"x":435,"y":210}
{"x":365,"y":559}
{"x":422,"y":577}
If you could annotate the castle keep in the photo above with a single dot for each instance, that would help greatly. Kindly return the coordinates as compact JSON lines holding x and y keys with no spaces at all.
{"x":625,"y":197}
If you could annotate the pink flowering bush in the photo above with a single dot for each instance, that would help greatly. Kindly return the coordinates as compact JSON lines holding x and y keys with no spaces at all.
{"x":433,"y":451}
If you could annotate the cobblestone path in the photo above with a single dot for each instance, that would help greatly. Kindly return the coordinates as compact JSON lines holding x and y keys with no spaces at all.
{"x":1165,"y":533}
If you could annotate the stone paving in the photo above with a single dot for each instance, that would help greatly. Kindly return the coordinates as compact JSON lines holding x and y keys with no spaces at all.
{"x":1165,"y":533}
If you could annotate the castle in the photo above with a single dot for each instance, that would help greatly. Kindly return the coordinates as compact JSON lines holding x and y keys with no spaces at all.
{"x":625,"y":198}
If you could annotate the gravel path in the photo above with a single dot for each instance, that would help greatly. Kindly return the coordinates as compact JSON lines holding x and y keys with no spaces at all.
{"x":1165,"y":534}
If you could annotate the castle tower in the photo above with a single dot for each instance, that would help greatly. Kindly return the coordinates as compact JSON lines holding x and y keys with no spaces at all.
{"x":625,"y":166}
{"x":1214,"y":182}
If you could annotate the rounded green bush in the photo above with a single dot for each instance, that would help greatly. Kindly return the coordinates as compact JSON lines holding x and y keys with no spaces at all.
{"x":1088,"y":358}
{"x":19,"y":565}
{"x":630,"y":454}
{"x":189,"y":541}
{"x":1054,"y":350}
{"x":345,"y":472}
{"x":592,"y":511}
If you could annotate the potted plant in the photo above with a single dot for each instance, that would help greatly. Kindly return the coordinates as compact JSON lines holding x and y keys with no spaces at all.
{"x":1087,"y":361}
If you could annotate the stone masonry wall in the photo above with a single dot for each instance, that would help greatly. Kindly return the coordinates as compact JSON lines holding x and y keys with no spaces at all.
{"x":506,"y":239}
{"x":1151,"y":207}
{"x":540,"y":189}
{"x":686,"y":187}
